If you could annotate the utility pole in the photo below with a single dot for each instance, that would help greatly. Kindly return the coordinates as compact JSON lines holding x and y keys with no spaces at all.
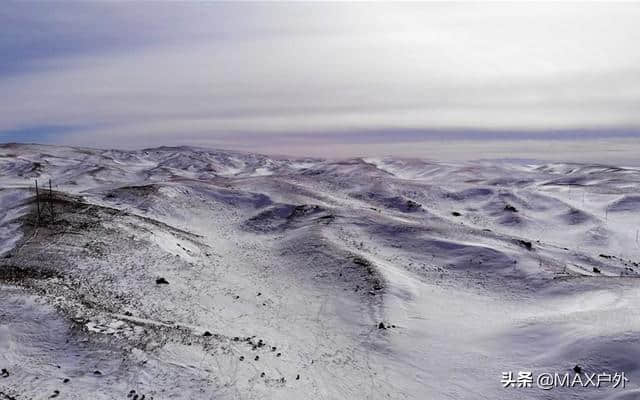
{"x":51,"y":201}
{"x":38,"y":201}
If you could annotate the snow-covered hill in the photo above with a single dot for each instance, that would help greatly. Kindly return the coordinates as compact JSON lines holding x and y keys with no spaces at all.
{"x":199,"y":274}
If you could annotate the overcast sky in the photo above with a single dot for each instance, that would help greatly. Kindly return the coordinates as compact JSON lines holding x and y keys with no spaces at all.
{"x":319,"y":78}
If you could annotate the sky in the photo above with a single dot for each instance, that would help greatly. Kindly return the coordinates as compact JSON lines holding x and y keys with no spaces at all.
{"x":452,"y":80}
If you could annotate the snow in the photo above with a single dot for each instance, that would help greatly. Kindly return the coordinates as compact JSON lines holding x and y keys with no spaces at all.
{"x":282,"y":267}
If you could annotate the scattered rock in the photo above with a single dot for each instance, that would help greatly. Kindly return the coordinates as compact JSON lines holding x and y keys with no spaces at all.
{"x":361,"y":261}
{"x":526,"y":244}
{"x":161,"y":281}
{"x":412,"y":205}
{"x":577,"y":369}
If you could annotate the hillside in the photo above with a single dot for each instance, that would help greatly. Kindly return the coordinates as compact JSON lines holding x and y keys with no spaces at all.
{"x":194,"y":273}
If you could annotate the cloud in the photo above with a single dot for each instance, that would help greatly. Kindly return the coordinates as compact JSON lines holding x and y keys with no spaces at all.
{"x":221,"y":73}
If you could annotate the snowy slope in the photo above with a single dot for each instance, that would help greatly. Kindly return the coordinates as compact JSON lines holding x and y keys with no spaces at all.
{"x":282,"y":272}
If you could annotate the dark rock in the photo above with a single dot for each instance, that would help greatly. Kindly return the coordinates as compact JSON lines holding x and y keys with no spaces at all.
{"x":55,"y":394}
{"x":596,"y":270}
{"x":6,"y":396}
{"x":577,"y":369}
{"x":66,"y":380}
{"x":235,"y":339}
{"x":273,"y":348}
{"x":241,"y":358}
{"x":527,"y":245}
{"x":278,"y":355}
{"x":161,"y":281}
{"x":262,"y":375}
{"x":96,"y":372}
{"x":510,"y":208}
{"x":412,"y":205}
{"x":456,"y":214}
{"x":606,"y":256}
{"x":381,"y":326}
{"x":298,"y":377}
{"x":206,"y":334}
{"x":361,"y":261}
{"x":259,"y":293}
{"x":257,"y":358}
{"x":4,"y":373}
